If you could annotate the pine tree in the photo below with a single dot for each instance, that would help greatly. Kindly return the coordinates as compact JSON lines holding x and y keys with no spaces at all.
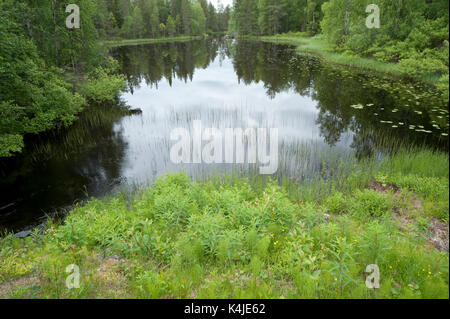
{"x":170,"y":26}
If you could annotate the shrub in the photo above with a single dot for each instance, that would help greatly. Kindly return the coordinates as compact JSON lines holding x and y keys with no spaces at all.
{"x":337,"y":203}
{"x":370,"y":203}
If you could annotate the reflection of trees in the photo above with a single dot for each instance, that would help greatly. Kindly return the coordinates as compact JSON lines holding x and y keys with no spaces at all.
{"x":61,"y":166}
{"x":280,"y":69}
{"x":154,"y":62}
{"x":257,"y":61}
{"x":336,"y":90}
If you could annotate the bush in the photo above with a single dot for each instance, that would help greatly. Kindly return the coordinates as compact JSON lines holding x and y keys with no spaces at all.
{"x":370,"y":203}
{"x":337,"y":203}
{"x":102,"y":86}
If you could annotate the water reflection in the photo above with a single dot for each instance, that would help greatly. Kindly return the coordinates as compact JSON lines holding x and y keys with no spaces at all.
{"x":225,"y":92}
{"x":60,"y":168}
{"x":320,"y":109}
{"x":322,"y":112}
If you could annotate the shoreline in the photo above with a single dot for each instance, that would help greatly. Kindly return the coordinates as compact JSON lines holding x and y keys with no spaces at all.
{"x":319,"y":47}
{"x":124,"y":42}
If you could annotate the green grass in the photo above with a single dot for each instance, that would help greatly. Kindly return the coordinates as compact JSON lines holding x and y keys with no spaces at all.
{"x":231,"y":238}
{"x":319,"y":46}
{"x":121,"y":42}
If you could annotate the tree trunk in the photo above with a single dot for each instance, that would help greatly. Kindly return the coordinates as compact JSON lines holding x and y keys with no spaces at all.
{"x":347,"y":17}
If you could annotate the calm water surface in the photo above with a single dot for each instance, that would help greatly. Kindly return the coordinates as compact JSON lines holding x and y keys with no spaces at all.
{"x":322,"y":113}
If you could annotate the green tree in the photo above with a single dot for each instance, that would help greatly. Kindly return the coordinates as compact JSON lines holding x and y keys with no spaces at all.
{"x":170,"y":26}
{"x":185,"y":17}
{"x":198,"y":20}
{"x":246,"y":17}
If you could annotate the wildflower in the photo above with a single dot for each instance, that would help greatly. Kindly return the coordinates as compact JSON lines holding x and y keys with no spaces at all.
{"x":335,"y":279}
{"x":429,"y":273}
{"x":390,"y":267}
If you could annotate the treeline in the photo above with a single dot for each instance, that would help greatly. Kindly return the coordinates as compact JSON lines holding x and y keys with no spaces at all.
{"x":160,"y":18}
{"x":269,"y":17}
{"x":413,"y":33}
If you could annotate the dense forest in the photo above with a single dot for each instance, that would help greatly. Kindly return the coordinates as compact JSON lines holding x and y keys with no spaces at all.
{"x":159,"y":18}
{"x":268,"y":17}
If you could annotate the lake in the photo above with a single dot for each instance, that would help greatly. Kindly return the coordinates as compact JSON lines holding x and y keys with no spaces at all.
{"x":322,"y":112}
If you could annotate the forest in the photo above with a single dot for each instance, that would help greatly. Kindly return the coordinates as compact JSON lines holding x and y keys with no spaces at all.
{"x":159,"y":18}
{"x":49,"y":73}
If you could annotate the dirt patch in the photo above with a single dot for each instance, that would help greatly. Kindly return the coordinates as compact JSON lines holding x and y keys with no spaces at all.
{"x":438,"y":231}
{"x":111,"y":277}
{"x":405,"y":223}
{"x":8,"y":288}
{"x":438,"y":235}
{"x":384,"y":187}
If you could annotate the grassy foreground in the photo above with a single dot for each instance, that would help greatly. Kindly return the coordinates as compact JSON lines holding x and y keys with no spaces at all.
{"x":319,"y":46}
{"x":224,"y":238}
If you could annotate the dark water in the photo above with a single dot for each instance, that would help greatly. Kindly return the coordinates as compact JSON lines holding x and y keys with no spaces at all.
{"x":322,"y":113}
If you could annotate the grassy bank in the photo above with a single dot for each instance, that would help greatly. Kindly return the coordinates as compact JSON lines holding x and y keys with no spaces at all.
{"x":120,"y":42}
{"x":319,"y":46}
{"x":231,"y":238}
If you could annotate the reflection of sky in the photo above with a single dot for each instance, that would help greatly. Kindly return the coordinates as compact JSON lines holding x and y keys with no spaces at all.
{"x":223,"y":2}
{"x":217,"y":99}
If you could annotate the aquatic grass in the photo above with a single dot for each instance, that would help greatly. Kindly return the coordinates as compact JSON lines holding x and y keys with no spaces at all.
{"x":419,"y":161}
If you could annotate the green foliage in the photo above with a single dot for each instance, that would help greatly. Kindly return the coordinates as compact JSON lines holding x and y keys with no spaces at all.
{"x":337,"y":203}
{"x":216,"y":239}
{"x":36,"y":53}
{"x":156,"y":18}
{"x":269,"y":17}
{"x":414,"y":34}
{"x":102,"y":86}
{"x":370,"y":203}
{"x":32,"y":99}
